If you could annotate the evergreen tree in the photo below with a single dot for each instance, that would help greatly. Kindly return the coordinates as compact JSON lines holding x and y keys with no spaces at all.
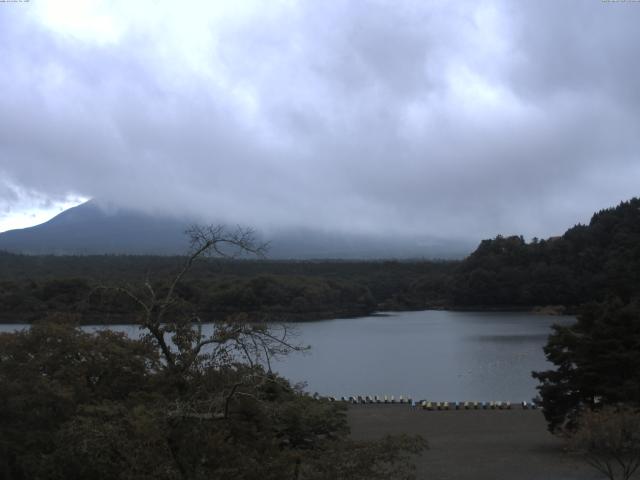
{"x":597,"y":363}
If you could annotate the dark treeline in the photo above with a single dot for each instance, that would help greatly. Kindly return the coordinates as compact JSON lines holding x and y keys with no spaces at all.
{"x":588,"y":263}
{"x":33,"y":285}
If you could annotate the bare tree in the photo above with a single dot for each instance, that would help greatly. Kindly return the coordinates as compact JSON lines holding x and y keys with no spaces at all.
{"x":609,"y":439}
{"x":177,"y":331}
{"x":234,"y":347}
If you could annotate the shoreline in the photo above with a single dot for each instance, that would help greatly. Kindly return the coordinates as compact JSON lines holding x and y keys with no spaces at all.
{"x":290,"y":317}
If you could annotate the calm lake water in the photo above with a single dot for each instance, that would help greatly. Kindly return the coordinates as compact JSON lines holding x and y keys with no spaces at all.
{"x":438,"y":355}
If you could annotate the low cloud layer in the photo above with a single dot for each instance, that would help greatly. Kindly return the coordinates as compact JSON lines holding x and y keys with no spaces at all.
{"x":457,"y":119}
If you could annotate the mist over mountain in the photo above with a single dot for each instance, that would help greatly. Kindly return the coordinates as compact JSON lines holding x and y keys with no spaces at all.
{"x":91,"y":229}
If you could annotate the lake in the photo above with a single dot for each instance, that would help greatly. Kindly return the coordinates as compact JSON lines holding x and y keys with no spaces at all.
{"x":437,"y":355}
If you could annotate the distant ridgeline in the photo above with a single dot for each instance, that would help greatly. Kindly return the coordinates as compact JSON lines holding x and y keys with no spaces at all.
{"x":588,"y":263}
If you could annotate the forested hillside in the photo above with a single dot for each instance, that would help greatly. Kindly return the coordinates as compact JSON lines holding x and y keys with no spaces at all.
{"x":588,"y":263}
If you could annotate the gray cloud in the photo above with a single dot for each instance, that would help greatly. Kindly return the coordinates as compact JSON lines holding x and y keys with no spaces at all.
{"x":464,"y":120}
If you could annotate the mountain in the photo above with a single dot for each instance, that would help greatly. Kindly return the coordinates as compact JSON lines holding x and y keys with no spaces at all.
{"x":89,"y":229}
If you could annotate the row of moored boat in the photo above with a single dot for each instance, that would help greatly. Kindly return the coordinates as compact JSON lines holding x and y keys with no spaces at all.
{"x":430,"y":405}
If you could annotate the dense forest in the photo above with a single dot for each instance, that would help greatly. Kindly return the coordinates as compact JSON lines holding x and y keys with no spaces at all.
{"x":588,"y":263}
{"x":263,"y":289}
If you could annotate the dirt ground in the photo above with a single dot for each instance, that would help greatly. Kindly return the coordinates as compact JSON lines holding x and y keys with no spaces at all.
{"x":475,"y":444}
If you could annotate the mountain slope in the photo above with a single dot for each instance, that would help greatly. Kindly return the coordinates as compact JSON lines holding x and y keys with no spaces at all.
{"x":88,"y":229}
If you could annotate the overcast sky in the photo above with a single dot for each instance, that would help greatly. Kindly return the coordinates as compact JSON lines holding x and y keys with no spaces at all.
{"x":455,"y":119}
